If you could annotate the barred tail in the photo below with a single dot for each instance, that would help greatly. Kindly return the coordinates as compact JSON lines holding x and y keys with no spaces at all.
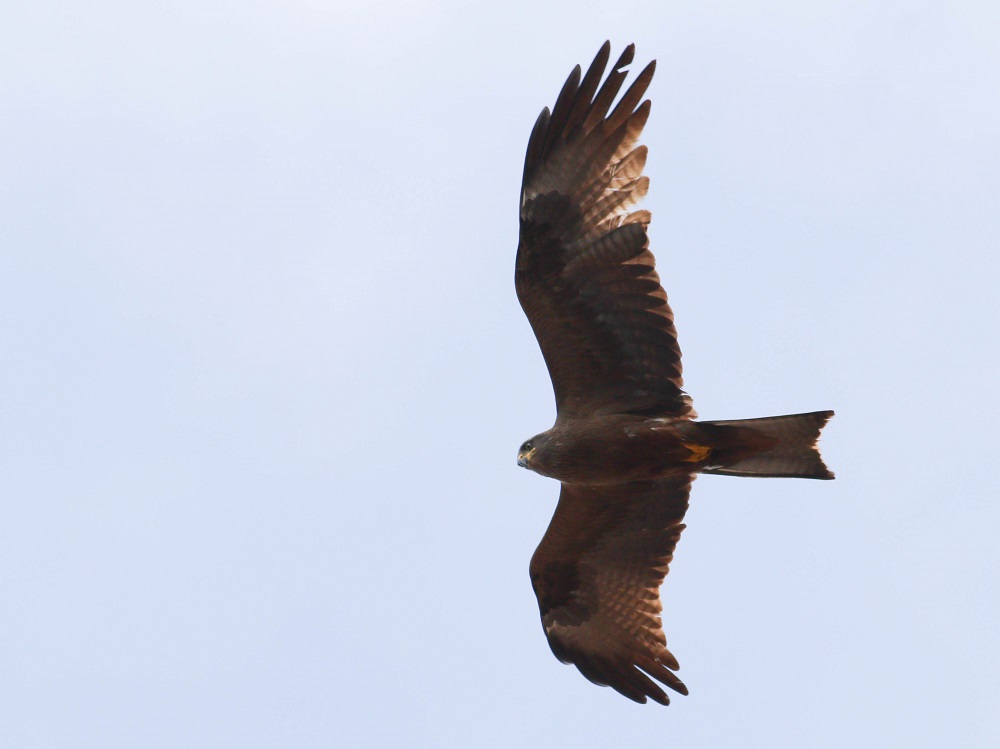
{"x":778,"y":446}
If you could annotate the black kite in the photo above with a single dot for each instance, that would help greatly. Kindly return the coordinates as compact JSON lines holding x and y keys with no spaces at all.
{"x":625,"y":444}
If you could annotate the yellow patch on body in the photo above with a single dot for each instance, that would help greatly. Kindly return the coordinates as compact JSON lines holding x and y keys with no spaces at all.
{"x":698,"y":452}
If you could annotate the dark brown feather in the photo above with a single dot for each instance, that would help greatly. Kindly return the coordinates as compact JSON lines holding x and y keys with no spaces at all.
{"x":585,"y":276}
{"x":597,"y":574}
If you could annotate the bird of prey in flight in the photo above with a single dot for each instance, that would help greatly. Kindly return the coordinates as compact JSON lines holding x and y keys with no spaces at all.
{"x":625,"y":444}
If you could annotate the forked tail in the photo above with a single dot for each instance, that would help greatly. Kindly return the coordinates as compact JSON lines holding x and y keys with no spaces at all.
{"x":778,"y":446}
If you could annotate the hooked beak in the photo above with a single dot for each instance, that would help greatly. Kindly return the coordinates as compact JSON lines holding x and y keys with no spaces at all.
{"x":523,"y":458}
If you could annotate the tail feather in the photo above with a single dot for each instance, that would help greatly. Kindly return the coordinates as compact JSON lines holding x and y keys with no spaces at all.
{"x":775,"y":446}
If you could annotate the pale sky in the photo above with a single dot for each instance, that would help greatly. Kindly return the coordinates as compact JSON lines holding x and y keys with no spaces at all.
{"x":265,"y":374}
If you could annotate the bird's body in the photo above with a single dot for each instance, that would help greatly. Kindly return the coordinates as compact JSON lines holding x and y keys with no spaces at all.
{"x":614,"y":449}
{"x":625,"y":445}
{"x":618,"y":448}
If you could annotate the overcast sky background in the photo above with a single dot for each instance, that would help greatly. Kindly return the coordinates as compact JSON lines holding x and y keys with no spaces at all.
{"x":264,"y":374}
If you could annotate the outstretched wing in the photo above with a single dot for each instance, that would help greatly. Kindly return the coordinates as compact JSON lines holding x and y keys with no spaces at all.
{"x":597,"y":575}
{"x":584,"y":275}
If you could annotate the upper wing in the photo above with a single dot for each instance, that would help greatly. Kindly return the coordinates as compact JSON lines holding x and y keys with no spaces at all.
{"x":584,"y":274}
{"x":597,"y":574}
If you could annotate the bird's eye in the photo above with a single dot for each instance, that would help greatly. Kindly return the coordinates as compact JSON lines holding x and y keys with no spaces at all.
{"x":526,"y":446}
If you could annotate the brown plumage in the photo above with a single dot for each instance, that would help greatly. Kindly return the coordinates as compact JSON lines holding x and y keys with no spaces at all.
{"x":625,"y":444}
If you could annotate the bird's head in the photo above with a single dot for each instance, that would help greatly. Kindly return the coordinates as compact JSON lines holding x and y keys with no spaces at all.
{"x":528,"y":455}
